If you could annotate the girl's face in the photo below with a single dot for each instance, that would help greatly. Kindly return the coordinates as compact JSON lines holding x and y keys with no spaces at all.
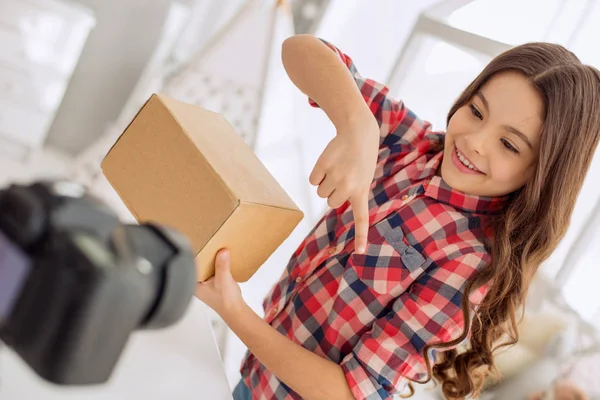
{"x":492,"y":142}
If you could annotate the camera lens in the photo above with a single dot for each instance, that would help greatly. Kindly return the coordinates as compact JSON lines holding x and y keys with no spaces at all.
{"x":164,"y":260}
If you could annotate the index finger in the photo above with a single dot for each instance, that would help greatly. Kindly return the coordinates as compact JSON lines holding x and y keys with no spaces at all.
{"x":360,"y":206}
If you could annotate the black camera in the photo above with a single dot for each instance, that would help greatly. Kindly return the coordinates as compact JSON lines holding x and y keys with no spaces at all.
{"x":75,"y":282}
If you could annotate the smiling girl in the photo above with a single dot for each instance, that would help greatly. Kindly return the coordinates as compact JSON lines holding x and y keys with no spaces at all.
{"x":433,"y":237}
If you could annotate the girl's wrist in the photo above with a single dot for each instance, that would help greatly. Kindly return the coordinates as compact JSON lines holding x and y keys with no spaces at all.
{"x":347,"y":111}
{"x":235,"y":311}
{"x":357,"y":121}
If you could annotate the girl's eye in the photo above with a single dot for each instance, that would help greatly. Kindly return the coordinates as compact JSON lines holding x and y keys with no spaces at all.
{"x":476,"y":112}
{"x":509,"y":146}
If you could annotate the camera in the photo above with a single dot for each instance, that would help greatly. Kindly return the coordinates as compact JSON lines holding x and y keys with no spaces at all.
{"x":75,"y":282}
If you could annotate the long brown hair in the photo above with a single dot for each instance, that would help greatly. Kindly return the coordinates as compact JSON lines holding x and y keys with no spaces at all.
{"x":537,"y":215}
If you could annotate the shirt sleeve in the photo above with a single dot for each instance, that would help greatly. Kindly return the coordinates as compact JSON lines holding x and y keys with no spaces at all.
{"x":430,"y":311}
{"x":391,"y":114}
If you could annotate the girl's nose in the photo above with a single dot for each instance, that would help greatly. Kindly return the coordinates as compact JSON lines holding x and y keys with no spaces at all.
{"x":478,"y":142}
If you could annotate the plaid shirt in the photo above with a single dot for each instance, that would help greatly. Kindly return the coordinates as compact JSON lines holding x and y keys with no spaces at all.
{"x":373,"y":313}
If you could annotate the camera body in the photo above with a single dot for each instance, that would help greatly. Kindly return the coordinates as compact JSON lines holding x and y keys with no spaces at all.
{"x":75,"y":282}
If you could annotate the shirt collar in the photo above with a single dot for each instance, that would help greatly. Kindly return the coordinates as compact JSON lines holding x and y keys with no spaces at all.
{"x":436,"y":188}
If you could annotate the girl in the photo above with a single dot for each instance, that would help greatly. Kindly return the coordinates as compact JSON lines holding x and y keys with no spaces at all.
{"x":457,"y":225}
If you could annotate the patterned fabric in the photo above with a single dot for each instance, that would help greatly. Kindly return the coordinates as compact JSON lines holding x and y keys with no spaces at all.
{"x":374,"y":313}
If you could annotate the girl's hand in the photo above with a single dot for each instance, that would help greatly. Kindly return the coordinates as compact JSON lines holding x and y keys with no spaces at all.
{"x":346,"y":168}
{"x":221,"y":292}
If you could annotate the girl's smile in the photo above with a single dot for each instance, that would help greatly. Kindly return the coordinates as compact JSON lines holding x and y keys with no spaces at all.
{"x":463,"y":164}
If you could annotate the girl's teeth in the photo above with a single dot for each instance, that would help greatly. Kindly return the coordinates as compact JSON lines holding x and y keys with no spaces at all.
{"x":464,"y":160}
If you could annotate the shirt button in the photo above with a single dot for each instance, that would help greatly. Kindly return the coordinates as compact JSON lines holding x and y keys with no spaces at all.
{"x":298,"y":280}
{"x":404,"y":197}
{"x":331,"y":250}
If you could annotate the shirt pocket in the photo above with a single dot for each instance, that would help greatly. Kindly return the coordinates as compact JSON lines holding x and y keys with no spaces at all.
{"x":389,"y":260}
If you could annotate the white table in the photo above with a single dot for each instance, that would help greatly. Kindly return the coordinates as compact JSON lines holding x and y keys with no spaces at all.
{"x":180,"y":362}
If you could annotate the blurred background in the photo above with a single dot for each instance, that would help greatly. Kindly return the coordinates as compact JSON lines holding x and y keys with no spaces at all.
{"x":74,"y":73}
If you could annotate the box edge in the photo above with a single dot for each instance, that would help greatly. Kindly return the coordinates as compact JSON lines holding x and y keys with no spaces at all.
{"x":153,"y":95}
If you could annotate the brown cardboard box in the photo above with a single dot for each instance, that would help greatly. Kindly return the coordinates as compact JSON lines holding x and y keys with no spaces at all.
{"x":185,"y":167}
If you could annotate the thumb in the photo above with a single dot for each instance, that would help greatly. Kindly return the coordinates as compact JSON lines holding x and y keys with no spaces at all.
{"x":222,"y":265}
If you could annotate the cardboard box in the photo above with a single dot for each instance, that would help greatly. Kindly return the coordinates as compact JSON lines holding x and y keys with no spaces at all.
{"x":183,"y":166}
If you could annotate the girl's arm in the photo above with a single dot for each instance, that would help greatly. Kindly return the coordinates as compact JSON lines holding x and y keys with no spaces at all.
{"x":319,"y":74}
{"x":309,"y":375}
{"x":345,"y":170}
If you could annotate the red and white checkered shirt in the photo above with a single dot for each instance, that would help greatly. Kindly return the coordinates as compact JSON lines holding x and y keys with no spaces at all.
{"x":373,"y":313}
